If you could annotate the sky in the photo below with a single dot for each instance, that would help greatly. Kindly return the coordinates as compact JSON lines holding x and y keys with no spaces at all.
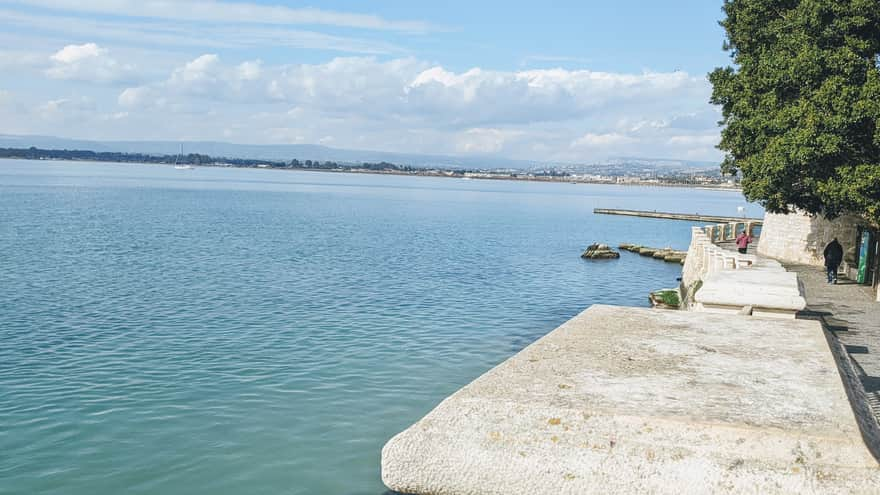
{"x":568,"y":81}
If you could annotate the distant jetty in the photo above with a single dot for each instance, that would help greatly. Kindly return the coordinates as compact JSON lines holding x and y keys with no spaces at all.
{"x":696,"y":217}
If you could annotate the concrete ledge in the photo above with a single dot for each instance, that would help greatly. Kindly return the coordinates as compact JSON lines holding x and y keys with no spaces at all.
{"x":627,"y":400}
{"x":763,"y":284}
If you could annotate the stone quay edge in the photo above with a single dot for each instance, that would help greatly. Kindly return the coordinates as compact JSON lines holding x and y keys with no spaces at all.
{"x":632,"y":400}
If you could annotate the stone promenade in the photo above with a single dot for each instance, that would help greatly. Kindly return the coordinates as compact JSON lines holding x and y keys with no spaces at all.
{"x":631,"y":400}
{"x":851,"y":315}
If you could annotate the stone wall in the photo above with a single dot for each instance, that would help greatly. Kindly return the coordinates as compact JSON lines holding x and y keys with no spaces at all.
{"x":799,"y":238}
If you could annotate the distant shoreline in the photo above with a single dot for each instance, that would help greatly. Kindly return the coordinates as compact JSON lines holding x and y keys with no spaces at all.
{"x":397,"y":171}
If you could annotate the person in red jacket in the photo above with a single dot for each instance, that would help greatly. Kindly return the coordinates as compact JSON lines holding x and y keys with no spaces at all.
{"x":742,"y":242}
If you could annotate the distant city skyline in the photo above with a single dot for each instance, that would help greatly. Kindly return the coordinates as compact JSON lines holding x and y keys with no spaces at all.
{"x":570,"y":81}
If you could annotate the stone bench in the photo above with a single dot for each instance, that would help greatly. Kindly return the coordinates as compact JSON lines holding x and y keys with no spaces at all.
{"x":767,"y":288}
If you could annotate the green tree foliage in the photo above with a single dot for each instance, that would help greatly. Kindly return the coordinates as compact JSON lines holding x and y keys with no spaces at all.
{"x":801,"y":104}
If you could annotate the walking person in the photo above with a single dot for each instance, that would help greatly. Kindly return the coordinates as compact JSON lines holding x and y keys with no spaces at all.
{"x":742,"y":242}
{"x":833,"y":256}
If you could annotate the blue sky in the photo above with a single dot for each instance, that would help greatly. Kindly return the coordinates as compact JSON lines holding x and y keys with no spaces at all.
{"x":573,"y":81}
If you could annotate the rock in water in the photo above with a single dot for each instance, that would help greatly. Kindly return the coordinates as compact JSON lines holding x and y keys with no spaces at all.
{"x":666,"y":254}
{"x":600,"y":252}
{"x":662,"y":253}
{"x":676,"y":257}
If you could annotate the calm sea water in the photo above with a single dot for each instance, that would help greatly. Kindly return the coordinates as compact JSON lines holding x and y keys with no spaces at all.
{"x":232,"y":331}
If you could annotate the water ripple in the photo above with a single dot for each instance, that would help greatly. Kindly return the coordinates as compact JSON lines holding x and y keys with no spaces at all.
{"x":237,"y":332}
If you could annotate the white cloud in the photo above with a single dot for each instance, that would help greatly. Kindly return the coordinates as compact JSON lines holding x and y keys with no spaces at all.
{"x":19,"y":59}
{"x":87,"y":62}
{"x":408,"y":105}
{"x":401,"y":104}
{"x":72,"y":54}
{"x":348,"y":85}
{"x":231,"y":12}
{"x":705,"y":118}
{"x":591,"y":140}
{"x":176,"y":35}
{"x":697,"y":141}
{"x":644,"y":125}
{"x":115,"y":116}
{"x":204,"y":77}
{"x":250,"y":71}
{"x":66,"y":108}
{"x":207,"y":77}
{"x":52,"y":106}
{"x":475,"y":98}
{"x":444,"y":78}
{"x":201,"y":71}
{"x":538,"y":95}
{"x":480,"y":140}
{"x":410,"y":89}
{"x":133,"y":97}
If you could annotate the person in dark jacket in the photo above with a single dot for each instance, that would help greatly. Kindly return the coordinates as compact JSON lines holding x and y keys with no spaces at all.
{"x":833,"y":257}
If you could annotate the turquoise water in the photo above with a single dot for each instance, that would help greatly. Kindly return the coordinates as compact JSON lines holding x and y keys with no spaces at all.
{"x":261,"y":332}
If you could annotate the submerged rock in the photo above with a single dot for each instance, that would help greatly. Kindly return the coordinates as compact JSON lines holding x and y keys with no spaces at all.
{"x":666,"y":254}
{"x":663,"y":253}
{"x":675,"y":257}
{"x":600,"y":252}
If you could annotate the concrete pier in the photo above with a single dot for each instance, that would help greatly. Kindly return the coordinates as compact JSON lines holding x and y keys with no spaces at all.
{"x":696,"y":217}
{"x":630,"y":400}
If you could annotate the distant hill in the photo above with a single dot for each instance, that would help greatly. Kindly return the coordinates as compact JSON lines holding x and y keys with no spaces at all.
{"x":641,"y":167}
{"x":285,"y":152}
{"x":323,"y":153}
